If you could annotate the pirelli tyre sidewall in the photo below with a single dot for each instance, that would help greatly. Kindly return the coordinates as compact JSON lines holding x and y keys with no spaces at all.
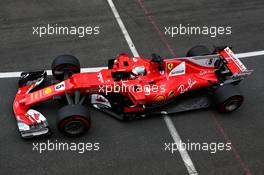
{"x":73,"y":120}
{"x":227,"y":98}
{"x":65,"y":64}
{"x":198,"y":50}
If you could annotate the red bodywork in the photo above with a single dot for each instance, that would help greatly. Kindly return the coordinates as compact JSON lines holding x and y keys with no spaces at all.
{"x":179,"y":76}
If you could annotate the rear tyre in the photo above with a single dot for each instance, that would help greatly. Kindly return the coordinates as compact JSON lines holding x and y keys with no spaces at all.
{"x":198,"y":50}
{"x":73,"y":120}
{"x":65,"y":66}
{"x":227,"y":98}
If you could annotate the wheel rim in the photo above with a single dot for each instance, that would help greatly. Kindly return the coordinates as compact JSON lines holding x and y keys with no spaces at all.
{"x":233,"y":105}
{"x":74,"y":127}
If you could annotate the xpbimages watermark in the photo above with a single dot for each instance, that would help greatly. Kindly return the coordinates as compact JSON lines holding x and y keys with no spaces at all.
{"x":80,"y":31}
{"x":80,"y":147}
{"x":125,"y":87}
{"x":212,"y":31}
{"x":212,"y":147}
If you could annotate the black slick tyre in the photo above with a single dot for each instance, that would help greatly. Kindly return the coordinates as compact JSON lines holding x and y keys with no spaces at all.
{"x":198,"y":50}
{"x":73,"y":120}
{"x":227,"y":98}
{"x":65,"y":66}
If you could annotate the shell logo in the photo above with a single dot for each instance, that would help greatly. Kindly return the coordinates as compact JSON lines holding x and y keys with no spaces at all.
{"x":48,"y":90}
{"x":160,"y":98}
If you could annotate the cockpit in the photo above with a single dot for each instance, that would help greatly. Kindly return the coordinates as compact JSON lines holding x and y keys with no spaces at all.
{"x":125,"y":68}
{"x":139,"y":71}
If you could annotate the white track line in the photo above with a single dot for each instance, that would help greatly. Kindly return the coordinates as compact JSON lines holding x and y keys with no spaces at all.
{"x":123,"y":28}
{"x":95,"y":69}
{"x":10,"y":74}
{"x":184,"y":154}
{"x":250,"y":54}
{"x":17,"y":74}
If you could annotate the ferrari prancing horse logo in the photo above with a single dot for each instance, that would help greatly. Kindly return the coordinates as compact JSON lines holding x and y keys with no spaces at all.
{"x":170,"y":66}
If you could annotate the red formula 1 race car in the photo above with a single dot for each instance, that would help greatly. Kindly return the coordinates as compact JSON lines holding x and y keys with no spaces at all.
{"x":130,"y":88}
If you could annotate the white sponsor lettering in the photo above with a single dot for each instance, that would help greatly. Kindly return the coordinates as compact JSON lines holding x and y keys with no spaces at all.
{"x":240,"y":65}
{"x":178,"y":70}
{"x":183,"y":88}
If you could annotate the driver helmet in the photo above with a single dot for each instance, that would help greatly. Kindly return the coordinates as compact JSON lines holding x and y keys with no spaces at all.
{"x":139,"y":70}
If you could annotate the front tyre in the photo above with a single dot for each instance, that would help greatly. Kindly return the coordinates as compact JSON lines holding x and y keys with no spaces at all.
{"x":65,"y":66}
{"x":227,"y":98}
{"x":73,"y":120}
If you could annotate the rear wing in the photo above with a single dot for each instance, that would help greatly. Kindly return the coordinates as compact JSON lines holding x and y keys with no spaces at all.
{"x":236,"y":67}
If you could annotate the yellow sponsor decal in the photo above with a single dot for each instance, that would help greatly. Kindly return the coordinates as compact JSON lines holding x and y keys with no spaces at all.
{"x":160,"y":98}
{"x":171,"y":94}
{"x":48,"y":90}
{"x":170,"y":66}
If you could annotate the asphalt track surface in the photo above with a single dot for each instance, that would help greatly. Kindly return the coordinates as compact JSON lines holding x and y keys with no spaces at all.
{"x":135,"y":147}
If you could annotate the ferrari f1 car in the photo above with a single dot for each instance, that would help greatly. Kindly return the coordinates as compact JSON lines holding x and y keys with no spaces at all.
{"x":130,"y":88}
